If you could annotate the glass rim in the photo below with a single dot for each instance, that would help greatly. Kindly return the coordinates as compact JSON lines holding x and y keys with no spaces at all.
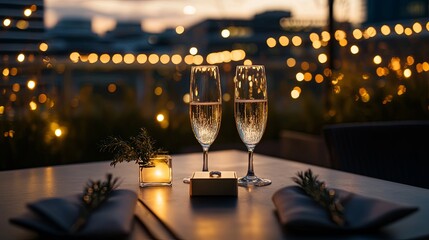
{"x":252,"y":65}
{"x":207,"y":66}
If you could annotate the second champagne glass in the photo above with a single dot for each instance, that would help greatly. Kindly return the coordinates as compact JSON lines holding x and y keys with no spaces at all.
{"x":250,"y":113}
{"x":205,"y":107}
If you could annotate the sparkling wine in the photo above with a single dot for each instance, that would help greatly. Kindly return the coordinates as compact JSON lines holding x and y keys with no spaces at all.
{"x":251,"y":119}
{"x":205,"y":120}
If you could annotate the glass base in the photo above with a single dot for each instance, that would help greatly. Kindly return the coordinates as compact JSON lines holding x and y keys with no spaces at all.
{"x":187,"y":180}
{"x":249,"y":181}
{"x":154,"y":184}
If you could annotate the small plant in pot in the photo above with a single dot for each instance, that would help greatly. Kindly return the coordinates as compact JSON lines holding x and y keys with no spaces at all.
{"x":154,"y":164}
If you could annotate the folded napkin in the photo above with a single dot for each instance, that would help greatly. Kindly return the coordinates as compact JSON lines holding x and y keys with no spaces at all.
{"x":55,"y":217}
{"x":299,"y":212}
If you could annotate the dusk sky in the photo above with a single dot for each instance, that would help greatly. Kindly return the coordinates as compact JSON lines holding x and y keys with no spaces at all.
{"x":156,"y":15}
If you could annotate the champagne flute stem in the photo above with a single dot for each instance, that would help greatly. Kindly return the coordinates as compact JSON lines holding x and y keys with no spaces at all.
{"x":205,"y":159}
{"x":250,"y":171}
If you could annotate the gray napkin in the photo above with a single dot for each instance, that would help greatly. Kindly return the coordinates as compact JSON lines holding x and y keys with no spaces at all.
{"x":297,"y":211}
{"x":55,"y":216}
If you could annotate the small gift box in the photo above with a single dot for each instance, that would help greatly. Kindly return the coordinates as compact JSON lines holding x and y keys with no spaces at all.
{"x":213,"y":183}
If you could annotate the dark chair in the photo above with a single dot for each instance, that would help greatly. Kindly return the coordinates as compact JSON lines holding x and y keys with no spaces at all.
{"x":396,"y":151}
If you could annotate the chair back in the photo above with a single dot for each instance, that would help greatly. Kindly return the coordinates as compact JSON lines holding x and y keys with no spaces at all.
{"x":395,"y":151}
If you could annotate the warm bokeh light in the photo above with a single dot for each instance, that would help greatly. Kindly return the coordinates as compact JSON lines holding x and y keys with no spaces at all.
{"x":129,"y":58}
{"x":33,"y":105}
{"x":20,"y":57}
{"x":164,"y":59}
{"x":343,"y":42}
{"x":198,"y":59}
{"x":27,"y":12}
{"x":176,"y":59}
{"x":31,"y":84}
{"x":354,"y":49}
{"x":299,"y":76}
{"x":318,"y":78}
{"x":317,"y":44}
{"x":401,"y":90}
{"x":117,"y":58}
{"x":58,"y":132}
{"x":410,"y":60}
{"x":238,"y":55}
{"x":13,"y":71}
{"x":193,"y":50}
{"x":377,"y":59}
{"x":42,"y":98}
{"x":189,"y":59}
{"x":105,"y":58}
{"x":425,"y":66}
{"x":308,"y":76}
{"x":417,"y":27}
{"x":7,"y":22}
{"x":271,"y":42}
{"x":111,"y":88}
{"x":325,"y":36}
{"x":43,"y":47}
{"x":291,"y":62}
{"x":371,"y":31}
{"x":305,"y":66}
{"x":141,"y":58}
{"x":12,"y":97}
{"x":247,"y":62}
{"x":186,"y":98}
{"x":16,"y":87}
{"x":284,"y":41}
{"x":313,"y":37}
{"x":323,"y":58}
{"x":6,"y":72}
{"x":92,"y":58}
{"x":74,"y":57}
{"x":385,"y":30}
{"x":407,"y":73}
{"x":340,"y":34}
{"x":22,"y":24}
{"x":399,"y":29}
{"x":180,"y":29}
{"x":158,"y":91}
{"x":160,"y":117}
{"x":225,"y":33}
{"x":296,"y":41}
{"x":408,"y":31}
{"x":295,"y":93}
{"x":395,"y":63}
{"x":226,"y":97}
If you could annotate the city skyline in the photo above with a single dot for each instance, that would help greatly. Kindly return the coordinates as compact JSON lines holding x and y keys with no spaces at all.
{"x":158,"y":15}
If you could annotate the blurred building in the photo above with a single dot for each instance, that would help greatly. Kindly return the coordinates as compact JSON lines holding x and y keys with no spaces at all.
{"x":73,"y":34}
{"x":393,"y":10}
{"x":22,"y":27}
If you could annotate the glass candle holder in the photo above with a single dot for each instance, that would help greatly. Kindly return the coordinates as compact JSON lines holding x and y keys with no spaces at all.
{"x":157,"y":172}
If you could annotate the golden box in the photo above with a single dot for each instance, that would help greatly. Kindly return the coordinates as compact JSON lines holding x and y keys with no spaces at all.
{"x":213,"y":183}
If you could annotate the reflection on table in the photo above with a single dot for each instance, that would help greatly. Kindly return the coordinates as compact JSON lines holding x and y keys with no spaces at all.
{"x":251,"y":215}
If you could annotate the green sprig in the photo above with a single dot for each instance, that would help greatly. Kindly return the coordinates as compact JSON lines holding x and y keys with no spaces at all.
{"x":138,"y":148}
{"x":318,"y":191}
{"x":95,"y":193}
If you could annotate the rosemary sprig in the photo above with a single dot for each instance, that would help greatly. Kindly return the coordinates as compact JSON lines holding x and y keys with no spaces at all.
{"x":138,"y":148}
{"x":318,"y":191}
{"x":95,"y":193}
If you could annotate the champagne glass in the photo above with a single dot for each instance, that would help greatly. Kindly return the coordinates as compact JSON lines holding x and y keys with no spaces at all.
{"x":205,"y":107}
{"x":250,"y":113}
